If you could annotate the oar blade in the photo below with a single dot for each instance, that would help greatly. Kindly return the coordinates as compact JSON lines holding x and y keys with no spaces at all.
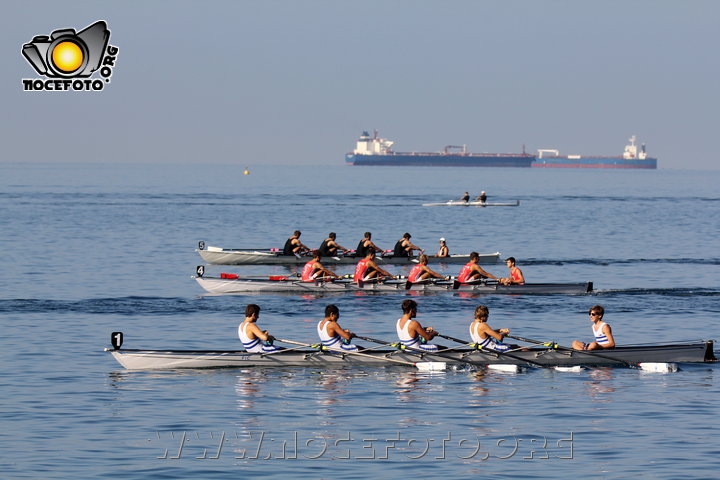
{"x":503,"y":367}
{"x":658,"y":367}
{"x":431,"y":366}
{"x":573,"y":369}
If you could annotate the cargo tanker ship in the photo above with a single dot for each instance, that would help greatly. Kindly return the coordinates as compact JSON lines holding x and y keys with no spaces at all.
{"x":373,"y":150}
{"x":631,"y":158}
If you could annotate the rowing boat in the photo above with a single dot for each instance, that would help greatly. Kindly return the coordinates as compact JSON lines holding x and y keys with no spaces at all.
{"x":460,"y":203}
{"x":230,"y":283}
{"x":241,"y":256}
{"x":133,"y":359}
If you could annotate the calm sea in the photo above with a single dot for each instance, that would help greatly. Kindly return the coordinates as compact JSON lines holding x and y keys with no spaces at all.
{"x":92,"y":249}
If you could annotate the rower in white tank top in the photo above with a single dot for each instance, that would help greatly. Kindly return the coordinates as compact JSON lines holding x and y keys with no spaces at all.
{"x":412,"y":342}
{"x":487,"y":343}
{"x":254,"y":345}
{"x":335,"y":342}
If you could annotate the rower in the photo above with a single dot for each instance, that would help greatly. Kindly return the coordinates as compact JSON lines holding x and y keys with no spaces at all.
{"x":472,"y":272}
{"x":516,"y":276}
{"x":253,"y":339}
{"x":466,"y":197}
{"x":405,"y":248}
{"x":602,"y":331}
{"x":366,"y":244}
{"x":482,"y":197}
{"x":314,"y":270}
{"x":329,"y":246}
{"x":293,"y":245}
{"x":411,"y":333}
{"x":332,"y":335}
{"x":421,"y":271}
{"x":367,"y":270}
{"x":483,"y":335}
{"x":444,"y":251}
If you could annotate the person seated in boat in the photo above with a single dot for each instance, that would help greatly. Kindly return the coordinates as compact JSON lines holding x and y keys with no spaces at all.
{"x":421,"y":271}
{"x":365,"y":245}
{"x":404,"y":247}
{"x":313,"y":270}
{"x":444,"y":251}
{"x":411,"y":334}
{"x":332,"y":335}
{"x":329,"y":247}
{"x":253,"y":339}
{"x":483,"y":334}
{"x":293,"y":245}
{"x":602,"y":331}
{"x":516,"y":276}
{"x":482,"y":198}
{"x":466,"y":197}
{"x":471,"y":271}
{"x":367,"y":270}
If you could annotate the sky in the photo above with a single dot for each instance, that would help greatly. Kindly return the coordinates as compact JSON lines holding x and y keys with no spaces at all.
{"x":283,"y":82}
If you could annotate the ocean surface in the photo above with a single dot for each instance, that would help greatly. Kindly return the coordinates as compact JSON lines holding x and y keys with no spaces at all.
{"x":93,"y":249}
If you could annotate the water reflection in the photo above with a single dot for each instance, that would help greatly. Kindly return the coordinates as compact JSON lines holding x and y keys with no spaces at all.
{"x":599,"y":385}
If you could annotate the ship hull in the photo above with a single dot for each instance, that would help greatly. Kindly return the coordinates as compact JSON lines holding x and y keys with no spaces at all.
{"x":594,"y":162}
{"x":442,"y":160}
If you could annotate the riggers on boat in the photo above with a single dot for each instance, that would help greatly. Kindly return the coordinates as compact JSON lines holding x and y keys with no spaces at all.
{"x":250,"y":256}
{"x":542,"y":356}
{"x":232,"y":283}
{"x":460,"y":203}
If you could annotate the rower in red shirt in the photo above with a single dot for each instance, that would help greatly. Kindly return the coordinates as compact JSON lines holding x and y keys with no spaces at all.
{"x":367,"y":269}
{"x":421,"y":271}
{"x":516,"y":276}
{"x":314,"y":270}
{"x":472,"y":272}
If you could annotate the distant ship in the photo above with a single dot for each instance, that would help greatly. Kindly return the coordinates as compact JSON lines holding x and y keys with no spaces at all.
{"x":631,"y":158}
{"x":377,"y":151}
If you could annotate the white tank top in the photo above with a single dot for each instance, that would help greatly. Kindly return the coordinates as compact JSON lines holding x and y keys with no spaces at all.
{"x":403,"y":334}
{"x":600,"y":337}
{"x":252,"y":346}
{"x":489,"y":343}
{"x":333,"y":343}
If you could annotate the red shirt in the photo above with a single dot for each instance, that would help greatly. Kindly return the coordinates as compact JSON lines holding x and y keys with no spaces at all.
{"x":465,"y":272}
{"x":308,"y":270}
{"x":415,"y":273}
{"x":360,"y":270}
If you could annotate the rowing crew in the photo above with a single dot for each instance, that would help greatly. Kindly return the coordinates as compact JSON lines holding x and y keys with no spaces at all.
{"x":367,"y":270}
{"x":482,"y":198}
{"x":411,"y":334}
{"x":330,"y":248}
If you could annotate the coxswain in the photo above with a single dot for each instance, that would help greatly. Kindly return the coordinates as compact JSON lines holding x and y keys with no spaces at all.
{"x":421,"y":271}
{"x":253,"y":339}
{"x":482,"y":197}
{"x":313,"y":270}
{"x":411,"y":333}
{"x":293,"y":245}
{"x":483,"y":335}
{"x":471,"y":271}
{"x":516,"y":276}
{"x":466,"y":197}
{"x":366,"y":244}
{"x":602,"y":331}
{"x":366,"y":269}
{"x":329,"y":247}
{"x":404,"y":247}
{"x":444,"y":251}
{"x":332,"y":335}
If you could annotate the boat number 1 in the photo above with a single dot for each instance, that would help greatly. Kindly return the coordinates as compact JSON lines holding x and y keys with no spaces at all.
{"x":116,"y":339}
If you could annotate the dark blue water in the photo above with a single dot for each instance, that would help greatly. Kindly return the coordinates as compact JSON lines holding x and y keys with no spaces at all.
{"x":92,"y":249}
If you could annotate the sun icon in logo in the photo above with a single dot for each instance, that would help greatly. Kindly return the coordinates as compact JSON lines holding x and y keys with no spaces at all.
{"x":67,"y":56}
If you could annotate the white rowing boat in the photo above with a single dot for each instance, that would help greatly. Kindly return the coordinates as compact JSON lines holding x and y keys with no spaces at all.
{"x":231,"y":283}
{"x":134,"y":359}
{"x":240,"y":256}
{"x":460,"y":203}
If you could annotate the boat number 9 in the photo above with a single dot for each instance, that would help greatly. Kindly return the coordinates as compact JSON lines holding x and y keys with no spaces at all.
{"x":116,"y":339}
{"x":201,"y":245}
{"x":200,"y":270}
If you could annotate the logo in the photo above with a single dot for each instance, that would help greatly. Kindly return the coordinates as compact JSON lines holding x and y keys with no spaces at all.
{"x":68,"y":59}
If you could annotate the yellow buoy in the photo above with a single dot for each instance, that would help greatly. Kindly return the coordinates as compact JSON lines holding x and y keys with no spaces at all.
{"x":246,"y":172}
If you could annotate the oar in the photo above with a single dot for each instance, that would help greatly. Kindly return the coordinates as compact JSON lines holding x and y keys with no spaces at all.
{"x":419,"y":365}
{"x":417,"y":351}
{"x":586,"y":352}
{"x":503,"y":354}
{"x":432,"y":281}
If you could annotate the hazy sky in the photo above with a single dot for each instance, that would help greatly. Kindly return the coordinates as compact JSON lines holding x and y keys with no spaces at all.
{"x":295,"y":82}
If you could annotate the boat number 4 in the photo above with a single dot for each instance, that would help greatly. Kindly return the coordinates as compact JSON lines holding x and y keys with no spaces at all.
{"x":200,"y":270}
{"x":116,"y":339}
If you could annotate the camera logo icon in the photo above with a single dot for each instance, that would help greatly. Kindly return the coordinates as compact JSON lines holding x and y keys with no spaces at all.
{"x":67,"y":53}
